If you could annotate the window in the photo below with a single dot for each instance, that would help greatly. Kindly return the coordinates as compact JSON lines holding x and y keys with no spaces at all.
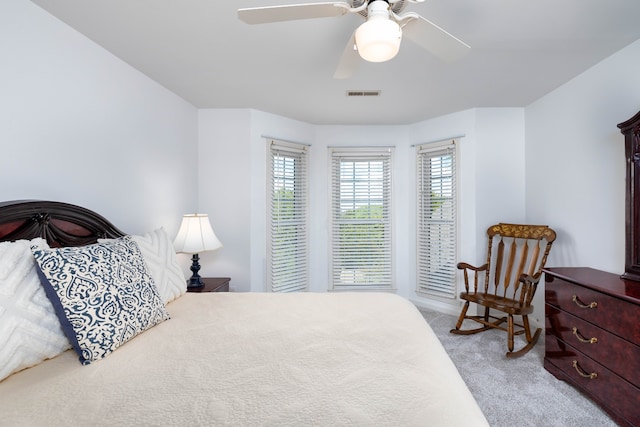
{"x":287,"y":247}
{"x":437,"y":226}
{"x":361,"y":243}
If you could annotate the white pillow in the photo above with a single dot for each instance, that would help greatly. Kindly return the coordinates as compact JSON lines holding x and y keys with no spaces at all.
{"x":162,"y":262}
{"x":30,"y":331}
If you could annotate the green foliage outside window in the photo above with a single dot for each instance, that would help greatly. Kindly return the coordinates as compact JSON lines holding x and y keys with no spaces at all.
{"x":361,"y":233}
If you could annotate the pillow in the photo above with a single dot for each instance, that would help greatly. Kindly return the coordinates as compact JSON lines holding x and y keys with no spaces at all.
{"x":161,"y":259}
{"x":30,"y":331}
{"x":102,"y":293}
{"x":157,"y":250}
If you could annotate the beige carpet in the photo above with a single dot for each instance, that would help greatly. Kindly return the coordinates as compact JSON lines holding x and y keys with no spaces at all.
{"x":514,"y":392}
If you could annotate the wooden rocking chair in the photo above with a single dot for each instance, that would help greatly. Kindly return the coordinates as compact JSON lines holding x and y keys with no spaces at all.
{"x":511,"y":277}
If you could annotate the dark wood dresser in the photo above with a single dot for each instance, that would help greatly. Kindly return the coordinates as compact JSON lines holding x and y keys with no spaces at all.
{"x":592,"y":337}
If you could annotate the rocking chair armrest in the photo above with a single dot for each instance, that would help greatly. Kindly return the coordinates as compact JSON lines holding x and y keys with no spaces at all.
{"x":530,"y":284}
{"x":468,"y":267}
{"x":465,"y":266}
{"x":531,"y":280}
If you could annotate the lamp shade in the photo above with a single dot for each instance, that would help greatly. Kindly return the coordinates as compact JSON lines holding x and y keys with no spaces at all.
{"x":378,"y":39}
{"x":196,"y":235}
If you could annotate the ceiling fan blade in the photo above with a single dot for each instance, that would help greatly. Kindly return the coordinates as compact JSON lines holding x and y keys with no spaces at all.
{"x":348,"y":61}
{"x":434,"y":39}
{"x":263,"y":15}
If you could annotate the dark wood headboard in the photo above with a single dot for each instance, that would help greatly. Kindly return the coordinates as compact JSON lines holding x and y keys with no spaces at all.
{"x":61,"y":224}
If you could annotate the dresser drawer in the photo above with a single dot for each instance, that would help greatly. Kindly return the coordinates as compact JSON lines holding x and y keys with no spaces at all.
{"x":615,"y":353}
{"x":618,"y":396}
{"x":615,"y":315}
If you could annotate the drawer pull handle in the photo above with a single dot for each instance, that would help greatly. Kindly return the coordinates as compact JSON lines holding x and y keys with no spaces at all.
{"x":581,"y":338}
{"x":591,"y":376}
{"x":583,"y":305}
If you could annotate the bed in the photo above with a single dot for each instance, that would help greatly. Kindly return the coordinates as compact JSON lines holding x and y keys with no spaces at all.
{"x":236,"y":359}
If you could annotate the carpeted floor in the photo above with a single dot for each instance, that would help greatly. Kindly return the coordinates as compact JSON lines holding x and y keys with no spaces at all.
{"x":514,"y":392}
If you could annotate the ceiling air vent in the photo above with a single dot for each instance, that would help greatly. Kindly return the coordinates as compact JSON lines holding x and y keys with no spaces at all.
{"x":363,"y":93}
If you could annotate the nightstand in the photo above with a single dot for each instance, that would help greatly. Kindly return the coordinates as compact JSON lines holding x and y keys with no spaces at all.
{"x":213,"y":284}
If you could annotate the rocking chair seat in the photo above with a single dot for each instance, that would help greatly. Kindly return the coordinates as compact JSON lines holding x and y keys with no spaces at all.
{"x":506,"y":305}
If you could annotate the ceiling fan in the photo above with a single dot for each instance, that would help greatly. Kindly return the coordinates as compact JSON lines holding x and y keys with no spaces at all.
{"x":378,"y":38}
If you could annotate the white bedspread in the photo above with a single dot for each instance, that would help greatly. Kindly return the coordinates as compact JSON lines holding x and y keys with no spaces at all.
{"x":257,"y":359}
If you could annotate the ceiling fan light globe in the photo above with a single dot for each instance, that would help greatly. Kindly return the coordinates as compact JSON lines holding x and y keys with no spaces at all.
{"x":378,"y":40}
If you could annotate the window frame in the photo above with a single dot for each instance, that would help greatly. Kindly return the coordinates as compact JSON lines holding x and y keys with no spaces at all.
{"x":443,"y":283}
{"x":336,"y":281}
{"x":279,"y":277}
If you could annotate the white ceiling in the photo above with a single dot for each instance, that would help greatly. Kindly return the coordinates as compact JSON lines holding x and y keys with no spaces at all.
{"x":199,"y":49}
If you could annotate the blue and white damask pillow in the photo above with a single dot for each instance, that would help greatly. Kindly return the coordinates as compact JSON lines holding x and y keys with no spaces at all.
{"x":103,"y":294}
{"x":160,"y":256}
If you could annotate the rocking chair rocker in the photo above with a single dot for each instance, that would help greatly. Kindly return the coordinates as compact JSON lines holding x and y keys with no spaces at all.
{"x":507,"y":287}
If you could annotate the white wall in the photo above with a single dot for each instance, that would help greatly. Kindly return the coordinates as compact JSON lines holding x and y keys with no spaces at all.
{"x":263,"y":126}
{"x":232,"y":189}
{"x":233,"y":162}
{"x":576,"y":164}
{"x":491,"y":180}
{"x":225,"y":191}
{"x":78,"y":125}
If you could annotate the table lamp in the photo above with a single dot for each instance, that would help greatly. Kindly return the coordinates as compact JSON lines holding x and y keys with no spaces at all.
{"x":194,"y":236}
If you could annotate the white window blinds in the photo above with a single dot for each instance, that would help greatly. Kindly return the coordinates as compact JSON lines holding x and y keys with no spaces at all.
{"x":287,"y":243}
{"x":361,"y":239}
{"x":437,"y":213}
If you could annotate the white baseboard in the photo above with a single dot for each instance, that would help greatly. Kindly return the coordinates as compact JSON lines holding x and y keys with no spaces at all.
{"x":452,"y":307}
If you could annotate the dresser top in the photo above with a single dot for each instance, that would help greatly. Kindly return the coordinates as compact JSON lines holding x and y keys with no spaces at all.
{"x":601,"y":281}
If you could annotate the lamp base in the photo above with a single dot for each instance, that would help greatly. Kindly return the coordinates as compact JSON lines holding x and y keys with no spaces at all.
{"x":195,"y":281}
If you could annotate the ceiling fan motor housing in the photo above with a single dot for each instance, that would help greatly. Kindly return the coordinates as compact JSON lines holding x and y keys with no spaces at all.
{"x":395,"y":6}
